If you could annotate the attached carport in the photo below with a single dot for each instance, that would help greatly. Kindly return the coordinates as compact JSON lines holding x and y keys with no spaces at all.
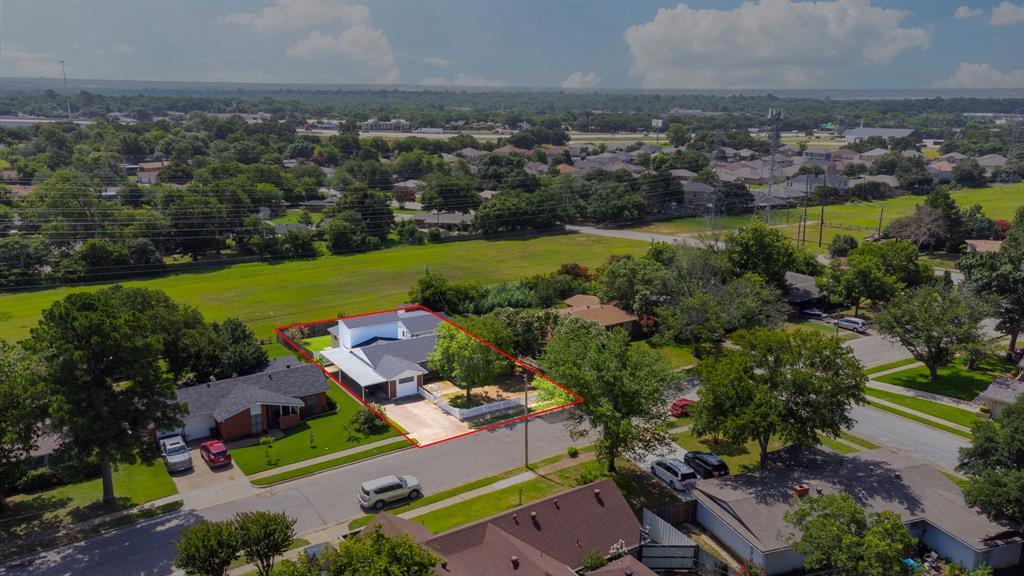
{"x":354,"y":370}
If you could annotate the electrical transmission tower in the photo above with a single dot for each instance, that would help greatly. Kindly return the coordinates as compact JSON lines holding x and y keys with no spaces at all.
{"x":1014,"y":156}
{"x":774,"y":119}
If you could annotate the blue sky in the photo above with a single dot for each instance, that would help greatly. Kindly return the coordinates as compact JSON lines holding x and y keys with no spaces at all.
{"x":696,"y":44}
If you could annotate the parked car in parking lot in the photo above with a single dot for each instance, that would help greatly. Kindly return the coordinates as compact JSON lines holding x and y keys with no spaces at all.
{"x":853,"y":324}
{"x":215,"y":453}
{"x":378,"y":492}
{"x":680,"y":407}
{"x":813,"y":313}
{"x":674,"y":472}
{"x":706,"y":464}
{"x":175,"y":454}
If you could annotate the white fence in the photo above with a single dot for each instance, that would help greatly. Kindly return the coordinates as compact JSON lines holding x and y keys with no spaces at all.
{"x":474,"y":412}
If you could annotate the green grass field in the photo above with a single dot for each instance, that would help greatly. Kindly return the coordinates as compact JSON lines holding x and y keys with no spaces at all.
{"x":292,"y":217}
{"x":134,"y":484}
{"x":889,"y":366}
{"x":920,"y":420}
{"x":330,"y":433}
{"x":999,"y":202}
{"x":332,"y":463}
{"x":270,"y":295}
{"x":955,"y":380}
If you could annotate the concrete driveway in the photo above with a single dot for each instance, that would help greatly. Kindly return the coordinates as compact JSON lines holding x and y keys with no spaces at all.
{"x":203,"y":486}
{"x":424,"y":421}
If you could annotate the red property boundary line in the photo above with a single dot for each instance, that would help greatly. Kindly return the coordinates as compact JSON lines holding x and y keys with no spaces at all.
{"x":280,"y":333}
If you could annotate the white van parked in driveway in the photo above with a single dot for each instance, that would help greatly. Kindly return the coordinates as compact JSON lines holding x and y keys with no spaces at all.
{"x":851,"y":323}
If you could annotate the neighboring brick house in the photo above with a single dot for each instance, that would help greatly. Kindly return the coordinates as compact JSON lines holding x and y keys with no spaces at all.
{"x":383,"y":354}
{"x":549,"y":537}
{"x":609,"y":316}
{"x":251,"y":405}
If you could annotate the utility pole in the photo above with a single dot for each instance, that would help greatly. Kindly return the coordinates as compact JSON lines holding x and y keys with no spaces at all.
{"x":880,"y":214}
{"x":774,"y":117}
{"x":526,"y":421}
{"x":67,"y":97}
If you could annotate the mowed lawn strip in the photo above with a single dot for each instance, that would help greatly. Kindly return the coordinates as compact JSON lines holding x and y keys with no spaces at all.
{"x":955,"y":380}
{"x":837,"y":446}
{"x":858,"y":441}
{"x":920,"y":420}
{"x":134,"y":484}
{"x":330,"y":433}
{"x":333,"y":463}
{"x":943,"y":411}
{"x":269,"y":295}
{"x":889,"y":366}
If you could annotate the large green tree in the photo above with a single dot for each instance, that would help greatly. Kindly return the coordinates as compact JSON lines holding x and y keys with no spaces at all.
{"x":240,"y":352}
{"x":836,"y":533}
{"x":1000,"y":274}
{"x":764,"y":251}
{"x":623,"y":387}
{"x":935,"y":322}
{"x":463,"y":359}
{"x":994,"y":465}
{"x":863,"y":278}
{"x":263,"y":537}
{"x":374,"y":553}
{"x":104,"y":374}
{"x":207,"y":548}
{"x":22,"y":412}
{"x":776,"y":384}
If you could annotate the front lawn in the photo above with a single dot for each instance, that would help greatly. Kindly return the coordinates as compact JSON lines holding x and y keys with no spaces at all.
{"x":317,"y":436}
{"x":955,"y":380}
{"x":134,"y":484}
{"x":740,"y":458}
{"x":676,"y":355}
{"x":820,"y":327}
{"x":948,"y":413}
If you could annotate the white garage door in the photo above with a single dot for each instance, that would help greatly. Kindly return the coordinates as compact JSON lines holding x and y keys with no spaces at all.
{"x":406,"y":387}
{"x":198,"y":427}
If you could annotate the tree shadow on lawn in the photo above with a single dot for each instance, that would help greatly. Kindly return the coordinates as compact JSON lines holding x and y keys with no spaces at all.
{"x":722,"y":447}
{"x":33,"y":514}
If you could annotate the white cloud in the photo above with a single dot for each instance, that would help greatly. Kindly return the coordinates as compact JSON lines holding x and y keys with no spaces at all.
{"x":982,"y":76}
{"x":462,"y":79}
{"x":965,"y":12}
{"x":123,"y":49}
{"x":778,"y":43}
{"x":581,"y":80}
{"x":360,"y":45}
{"x":16,"y":61}
{"x":1007,"y":14}
{"x":299,"y":14}
{"x":435,"y":61}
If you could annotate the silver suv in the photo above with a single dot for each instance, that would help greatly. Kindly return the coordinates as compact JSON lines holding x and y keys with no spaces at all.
{"x":175,"y":453}
{"x":380,"y":491}
{"x":854,"y":324}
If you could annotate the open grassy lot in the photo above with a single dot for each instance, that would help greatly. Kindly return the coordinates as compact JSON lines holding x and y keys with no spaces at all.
{"x":317,"y":436}
{"x":677,"y":356}
{"x":739,"y":458}
{"x":134,"y":484}
{"x":269,"y":295}
{"x":861,"y":218}
{"x":955,"y":380}
{"x":943,"y":411}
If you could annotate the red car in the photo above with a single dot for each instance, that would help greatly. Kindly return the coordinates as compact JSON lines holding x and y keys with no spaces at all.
{"x":215,"y":453}
{"x":680,"y":407}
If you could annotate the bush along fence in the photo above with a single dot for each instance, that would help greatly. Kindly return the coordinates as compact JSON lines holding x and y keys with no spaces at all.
{"x":475,"y":412}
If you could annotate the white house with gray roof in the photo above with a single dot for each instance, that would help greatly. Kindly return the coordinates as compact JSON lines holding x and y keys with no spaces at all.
{"x":383,"y":355}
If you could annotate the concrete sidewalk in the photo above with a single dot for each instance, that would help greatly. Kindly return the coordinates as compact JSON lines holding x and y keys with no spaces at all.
{"x":324,"y":458}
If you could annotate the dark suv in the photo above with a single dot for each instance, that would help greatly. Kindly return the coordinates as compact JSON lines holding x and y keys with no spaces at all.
{"x":706,"y":465}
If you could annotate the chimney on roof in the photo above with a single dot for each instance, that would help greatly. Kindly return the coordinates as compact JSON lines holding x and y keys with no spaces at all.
{"x":801,"y":490}
{"x":515,"y":562}
{"x":444,"y":564}
{"x":556,"y":504}
{"x":515,"y":518}
{"x":270,"y":375}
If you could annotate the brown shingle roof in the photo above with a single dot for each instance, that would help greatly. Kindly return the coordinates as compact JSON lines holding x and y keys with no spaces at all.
{"x":565,"y":528}
{"x":396,"y":526}
{"x":583,"y":300}
{"x":607,"y":315}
